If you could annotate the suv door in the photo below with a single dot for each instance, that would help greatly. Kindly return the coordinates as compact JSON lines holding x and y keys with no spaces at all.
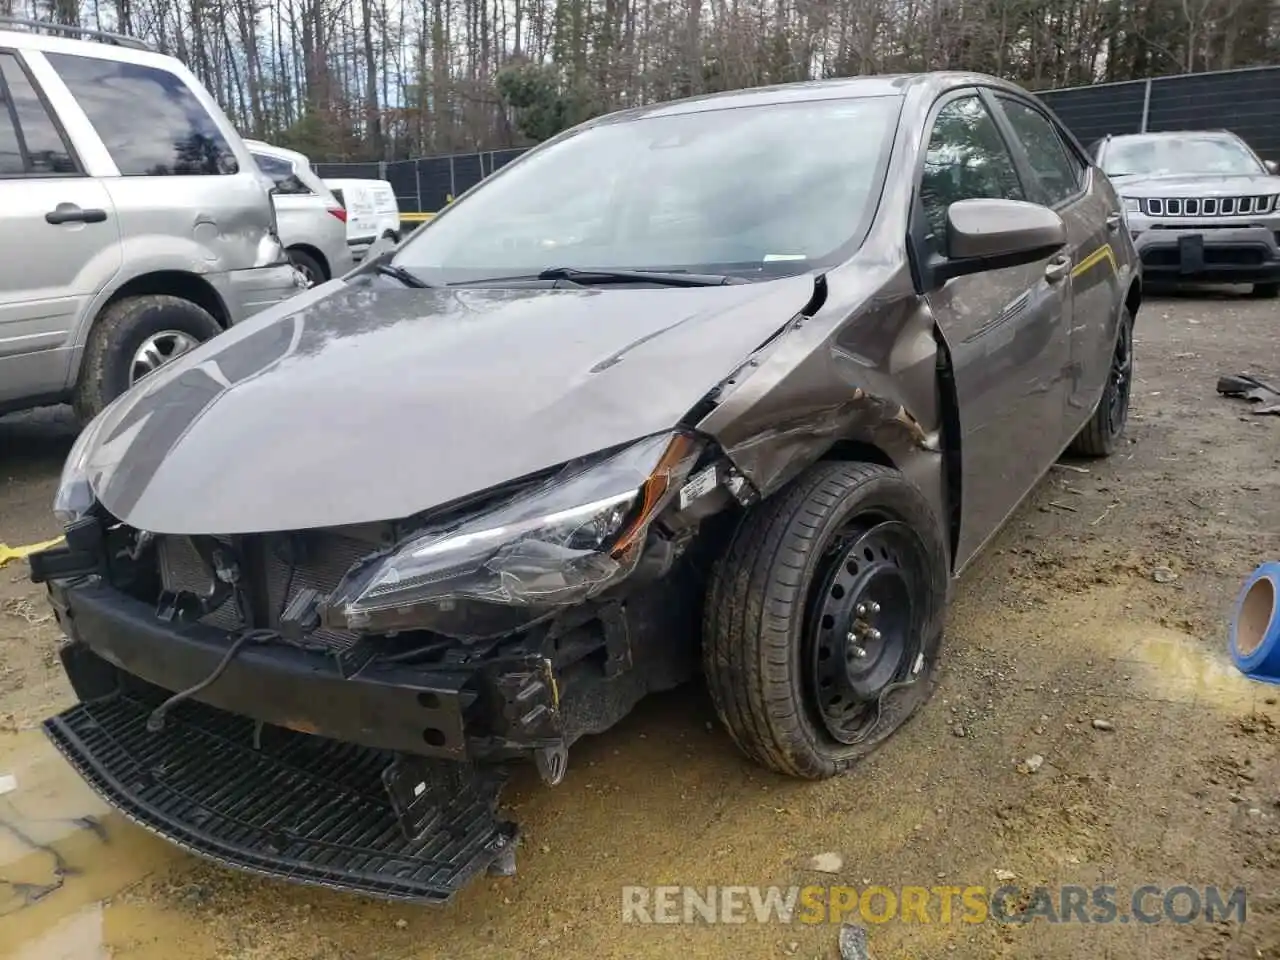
{"x":1006,"y":329}
{"x":60,"y":244}
{"x":1091,"y":213}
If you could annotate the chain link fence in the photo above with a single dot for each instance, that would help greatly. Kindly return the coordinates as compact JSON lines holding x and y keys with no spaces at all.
{"x":1245,"y":101}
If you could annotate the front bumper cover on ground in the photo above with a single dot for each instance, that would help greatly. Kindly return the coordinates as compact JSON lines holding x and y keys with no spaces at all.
{"x":279,"y":803}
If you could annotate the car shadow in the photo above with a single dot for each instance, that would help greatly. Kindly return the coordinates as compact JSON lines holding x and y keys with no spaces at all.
{"x":36,"y":441}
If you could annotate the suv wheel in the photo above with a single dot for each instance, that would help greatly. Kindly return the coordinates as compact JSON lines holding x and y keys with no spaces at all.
{"x":133,"y":337}
{"x":1098,"y":437}
{"x":1266,"y":291}
{"x":308,"y":266}
{"x":823,"y":619}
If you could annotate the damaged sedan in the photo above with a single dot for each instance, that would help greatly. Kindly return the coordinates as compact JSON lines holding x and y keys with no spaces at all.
{"x":733,"y":386}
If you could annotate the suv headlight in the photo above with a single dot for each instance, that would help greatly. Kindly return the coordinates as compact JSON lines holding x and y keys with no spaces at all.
{"x":502,"y":569}
{"x":1132,"y":204}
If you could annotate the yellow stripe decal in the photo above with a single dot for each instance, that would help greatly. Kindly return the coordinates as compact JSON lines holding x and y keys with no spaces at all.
{"x":1104,"y":252}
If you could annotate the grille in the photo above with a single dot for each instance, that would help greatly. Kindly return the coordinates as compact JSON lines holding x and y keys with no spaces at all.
{"x":287,"y":563}
{"x":1208,"y":206}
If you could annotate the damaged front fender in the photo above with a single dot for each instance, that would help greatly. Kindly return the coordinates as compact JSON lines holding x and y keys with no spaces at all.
{"x":846,"y":375}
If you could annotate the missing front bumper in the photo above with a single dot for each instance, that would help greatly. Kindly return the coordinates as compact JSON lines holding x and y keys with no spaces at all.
{"x":284,"y":804}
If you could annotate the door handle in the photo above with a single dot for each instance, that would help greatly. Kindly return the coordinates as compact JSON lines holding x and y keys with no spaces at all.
{"x":1057,"y":268}
{"x":70,"y":213}
{"x":1113,"y":221}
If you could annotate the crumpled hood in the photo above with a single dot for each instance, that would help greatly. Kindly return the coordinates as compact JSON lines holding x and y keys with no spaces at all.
{"x":1197,"y":185}
{"x":360,"y":402}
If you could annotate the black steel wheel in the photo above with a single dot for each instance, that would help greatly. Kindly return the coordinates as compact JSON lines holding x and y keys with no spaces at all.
{"x":823,"y":619}
{"x":1098,"y":437}
{"x":864,"y":631}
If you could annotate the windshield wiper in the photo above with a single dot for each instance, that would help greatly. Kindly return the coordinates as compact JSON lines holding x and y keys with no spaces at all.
{"x":401,"y":274}
{"x":661,"y":278}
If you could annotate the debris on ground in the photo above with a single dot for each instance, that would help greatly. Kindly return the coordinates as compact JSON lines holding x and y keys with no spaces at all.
{"x":25,"y":608}
{"x":8,"y":783}
{"x":1099,"y":724}
{"x":825,"y":863}
{"x":853,"y":942}
{"x":1031,"y":764}
{"x":1245,"y":386}
{"x":1005,"y":875}
{"x":1163,"y":575}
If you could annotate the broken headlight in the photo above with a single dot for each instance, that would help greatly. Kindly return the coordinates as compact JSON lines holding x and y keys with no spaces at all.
{"x":74,"y":497}
{"x":503,"y":568}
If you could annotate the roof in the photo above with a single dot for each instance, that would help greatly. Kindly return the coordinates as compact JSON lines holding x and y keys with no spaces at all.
{"x":882,"y":85}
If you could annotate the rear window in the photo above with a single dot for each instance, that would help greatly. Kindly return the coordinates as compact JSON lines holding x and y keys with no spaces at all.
{"x":282,"y":174}
{"x":151,"y":122}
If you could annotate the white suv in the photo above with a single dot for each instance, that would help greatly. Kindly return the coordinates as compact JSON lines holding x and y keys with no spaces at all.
{"x":313,"y":222}
{"x":135,"y":222}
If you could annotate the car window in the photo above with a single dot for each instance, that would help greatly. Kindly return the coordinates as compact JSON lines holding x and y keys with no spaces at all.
{"x":1059,"y":172}
{"x":151,"y":122}
{"x":966,"y":159}
{"x":47,"y":151}
{"x":281,"y":173}
{"x":12,"y":163}
{"x":1185,"y":153}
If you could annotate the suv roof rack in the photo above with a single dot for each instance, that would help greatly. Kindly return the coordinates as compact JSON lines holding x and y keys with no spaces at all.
{"x":76,"y":33}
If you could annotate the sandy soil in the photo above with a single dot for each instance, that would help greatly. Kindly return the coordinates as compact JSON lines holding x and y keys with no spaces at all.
{"x":1062,"y":622}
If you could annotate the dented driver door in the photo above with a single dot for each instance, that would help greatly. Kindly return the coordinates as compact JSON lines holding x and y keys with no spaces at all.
{"x":1006,"y":329}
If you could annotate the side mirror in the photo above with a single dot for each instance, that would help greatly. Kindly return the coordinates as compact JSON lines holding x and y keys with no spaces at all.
{"x":987,"y":235}
{"x":1272,"y":167}
{"x":380,"y":247}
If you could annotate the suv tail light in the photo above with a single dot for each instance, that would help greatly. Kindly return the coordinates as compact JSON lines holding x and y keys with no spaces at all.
{"x":340,"y":213}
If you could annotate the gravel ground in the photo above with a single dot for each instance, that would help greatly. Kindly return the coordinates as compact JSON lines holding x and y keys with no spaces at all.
{"x":1063,"y":622}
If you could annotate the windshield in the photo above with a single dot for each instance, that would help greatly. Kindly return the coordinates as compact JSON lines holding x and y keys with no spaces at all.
{"x":764,"y":190}
{"x":1183,"y":154}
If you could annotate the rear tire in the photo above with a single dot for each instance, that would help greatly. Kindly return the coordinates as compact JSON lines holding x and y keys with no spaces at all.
{"x":1098,"y":437}
{"x":777,"y":651}
{"x":120,"y":332}
{"x":1266,"y":291}
{"x":310,"y":267}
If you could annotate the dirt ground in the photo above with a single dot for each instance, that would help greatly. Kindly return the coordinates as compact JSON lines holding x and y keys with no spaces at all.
{"x":1061,"y":623}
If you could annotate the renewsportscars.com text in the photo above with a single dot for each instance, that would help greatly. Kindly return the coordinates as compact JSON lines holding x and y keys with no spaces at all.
{"x":1008,"y":904}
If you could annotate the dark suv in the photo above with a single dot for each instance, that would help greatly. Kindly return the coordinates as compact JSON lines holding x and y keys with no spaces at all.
{"x":734,"y":386}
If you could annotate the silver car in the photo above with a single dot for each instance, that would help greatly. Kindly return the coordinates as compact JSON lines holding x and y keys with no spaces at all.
{"x":313,"y":222}
{"x":135,"y":222}
{"x":1201,"y":206}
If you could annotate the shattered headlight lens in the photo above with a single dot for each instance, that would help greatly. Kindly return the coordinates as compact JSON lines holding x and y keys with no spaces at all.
{"x":557,"y":545}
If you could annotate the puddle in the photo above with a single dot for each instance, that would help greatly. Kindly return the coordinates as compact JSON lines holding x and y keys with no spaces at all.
{"x":61,"y":853}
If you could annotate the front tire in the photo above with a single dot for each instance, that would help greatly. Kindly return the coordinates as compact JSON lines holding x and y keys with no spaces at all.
{"x":132,"y":337}
{"x":1098,"y":437}
{"x":1266,"y":291}
{"x":823,"y":619}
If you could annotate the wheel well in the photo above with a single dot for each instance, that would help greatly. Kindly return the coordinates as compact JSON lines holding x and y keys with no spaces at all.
{"x":1133,"y":299}
{"x":315,"y":255}
{"x":176,"y":283}
{"x":858,"y":450}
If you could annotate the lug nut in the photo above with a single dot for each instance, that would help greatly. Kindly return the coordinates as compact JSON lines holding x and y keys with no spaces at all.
{"x":857,"y":652}
{"x":873,"y":635}
{"x":873,"y":607}
{"x":861,"y":609}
